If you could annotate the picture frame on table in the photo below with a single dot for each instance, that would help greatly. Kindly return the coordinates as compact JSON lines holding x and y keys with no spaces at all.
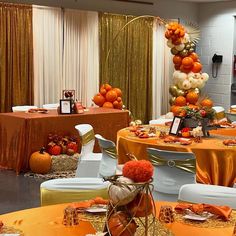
{"x":176,"y":125}
{"x":65,"y":106}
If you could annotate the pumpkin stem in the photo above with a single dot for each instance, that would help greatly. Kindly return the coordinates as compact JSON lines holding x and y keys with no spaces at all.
{"x":42,"y":150}
{"x":131,"y":156}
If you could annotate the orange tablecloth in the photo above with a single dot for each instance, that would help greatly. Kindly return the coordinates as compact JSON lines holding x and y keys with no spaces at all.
{"x":216,"y":163}
{"x":46,"y":221}
{"x":23,"y":133}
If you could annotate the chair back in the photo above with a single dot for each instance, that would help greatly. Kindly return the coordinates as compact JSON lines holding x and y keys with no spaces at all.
{"x":23,"y":108}
{"x":108,"y":163}
{"x":220,"y":112}
{"x":52,"y":106}
{"x":159,"y":121}
{"x":87,"y":138}
{"x":208,"y":194}
{"x":172,"y":169}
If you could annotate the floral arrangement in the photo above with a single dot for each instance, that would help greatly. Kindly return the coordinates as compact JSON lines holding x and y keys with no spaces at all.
{"x":199,"y":112}
{"x":58,"y":144}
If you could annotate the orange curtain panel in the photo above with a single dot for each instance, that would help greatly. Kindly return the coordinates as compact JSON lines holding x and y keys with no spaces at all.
{"x":16,"y":56}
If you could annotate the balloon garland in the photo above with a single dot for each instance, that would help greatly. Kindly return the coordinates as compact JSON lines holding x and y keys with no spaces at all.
{"x":188,"y":77}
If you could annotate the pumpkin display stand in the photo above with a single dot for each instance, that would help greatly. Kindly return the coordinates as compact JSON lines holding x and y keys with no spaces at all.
{"x":133,"y":212}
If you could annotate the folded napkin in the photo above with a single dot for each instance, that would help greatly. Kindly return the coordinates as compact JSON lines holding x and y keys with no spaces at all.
{"x":89,"y":203}
{"x":221,"y":211}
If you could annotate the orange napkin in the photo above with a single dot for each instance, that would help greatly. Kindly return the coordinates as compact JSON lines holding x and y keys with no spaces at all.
{"x":221,"y":211}
{"x":89,"y":203}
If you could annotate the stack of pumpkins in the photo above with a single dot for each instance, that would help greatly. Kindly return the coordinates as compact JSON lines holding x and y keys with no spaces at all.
{"x":108,"y":97}
{"x":188,"y":77}
{"x":129,"y":198}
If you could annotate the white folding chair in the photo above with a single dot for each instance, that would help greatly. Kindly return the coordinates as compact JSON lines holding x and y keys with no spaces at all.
{"x":76,"y":189}
{"x":159,"y":121}
{"x":23,"y":108}
{"x":209,"y":194}
{"x":171,"y":171}
{"x":89,"y":162}
{"x":108,"y":164}
{"x":51,"y":106}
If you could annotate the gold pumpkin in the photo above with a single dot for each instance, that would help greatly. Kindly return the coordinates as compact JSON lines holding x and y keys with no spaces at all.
{"x":122,"y":192}
{"x":40,"y":162}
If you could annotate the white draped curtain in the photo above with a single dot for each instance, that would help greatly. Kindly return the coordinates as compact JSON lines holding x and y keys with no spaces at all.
{"x":162,"y":71}
{"x":48,"y":48}
{"x":80,"y":57}
{"x":65,"y":54}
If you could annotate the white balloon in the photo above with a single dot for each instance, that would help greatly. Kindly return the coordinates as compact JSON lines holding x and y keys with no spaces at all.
{"x":186,"y":85}
{"x":197,"y":75}
{"x":201,"y":85}
{"x":170,"y":44}
{"x":193,"y":82}
{"x":191,"y":74}
{"x":205,"y":77}
{"x":180,"y":85}
{"x":180,"y":47}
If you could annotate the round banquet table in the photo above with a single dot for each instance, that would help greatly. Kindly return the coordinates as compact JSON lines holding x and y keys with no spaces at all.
{"x":216,"y":163}
{"x":47,"y":221}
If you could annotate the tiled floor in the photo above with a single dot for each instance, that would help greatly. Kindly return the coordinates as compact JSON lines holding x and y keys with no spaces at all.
{"x":18,"y":192}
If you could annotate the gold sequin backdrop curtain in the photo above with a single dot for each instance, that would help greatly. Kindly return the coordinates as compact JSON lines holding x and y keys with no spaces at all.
{"x":16,"y":56}
{"x":129,"y":64}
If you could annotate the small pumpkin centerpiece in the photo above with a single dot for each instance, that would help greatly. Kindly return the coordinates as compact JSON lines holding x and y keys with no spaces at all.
{"x":131,"y":200}
{"x":40,"y":162}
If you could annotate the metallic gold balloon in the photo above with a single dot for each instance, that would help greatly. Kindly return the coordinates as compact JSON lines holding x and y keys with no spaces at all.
{"x":184,"y":53}
{"x":172,"y":101}
{"x":191,"y":50}
{"x":173,"y":90}
{"x":192,"y":45}
{"x":174,"y":51}
{"x":180,"y":92}
{"x":187,"y":46}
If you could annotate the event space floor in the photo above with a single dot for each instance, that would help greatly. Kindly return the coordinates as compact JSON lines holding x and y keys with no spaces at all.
{"x":18,"y":192}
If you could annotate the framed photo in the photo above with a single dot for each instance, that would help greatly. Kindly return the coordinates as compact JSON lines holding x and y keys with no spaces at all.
{"x":68,"y":94}
{"x":176,"y":125}
{"x":65,"y":106}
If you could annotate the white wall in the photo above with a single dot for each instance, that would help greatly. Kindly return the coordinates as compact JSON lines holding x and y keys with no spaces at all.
{"x":216,"y":22}
{"x":163,"y":8}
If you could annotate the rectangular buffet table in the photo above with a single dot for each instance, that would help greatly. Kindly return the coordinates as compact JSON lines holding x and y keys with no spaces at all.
{"x":23,"y":133}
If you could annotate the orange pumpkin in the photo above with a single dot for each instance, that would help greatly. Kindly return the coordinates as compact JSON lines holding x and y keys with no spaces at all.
{"x":141,"y":205}
{"x":119,"y":105}
{"x":40,"y":162}
{"x":120,"y":224}
{"x":111,"y":96}
{"x":99,"y":100}
{"x":108,"y":105}
{"x":103,"y":91}
{"x":118,"y":92}
{"x":119,"y":99}
{"x":180,"y":101}
{"x":176,"y":110}
{"x":207,"y":103}
{"x":192,"y":97}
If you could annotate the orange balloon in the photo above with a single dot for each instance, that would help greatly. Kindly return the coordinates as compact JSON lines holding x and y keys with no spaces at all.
{"x":194,"y":56}
{"x":187,"y":62}
{"x":108,"y":105}
{"x":197,"y":67}
{"x":177,"y":60}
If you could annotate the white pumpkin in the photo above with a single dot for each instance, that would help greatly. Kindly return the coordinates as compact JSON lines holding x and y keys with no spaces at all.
{"x":122,"y":192}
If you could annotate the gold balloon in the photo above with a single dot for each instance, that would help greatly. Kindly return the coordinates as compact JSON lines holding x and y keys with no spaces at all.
{"x":172,"y":101}
{"x":183,"y":53}
{"x":174,"y":51}
{"x":191,"y":50}
{"x":187,"y":46}
{"x":192,"y":45}
{"x":173,"y":90}
{"x":180,"y":92}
